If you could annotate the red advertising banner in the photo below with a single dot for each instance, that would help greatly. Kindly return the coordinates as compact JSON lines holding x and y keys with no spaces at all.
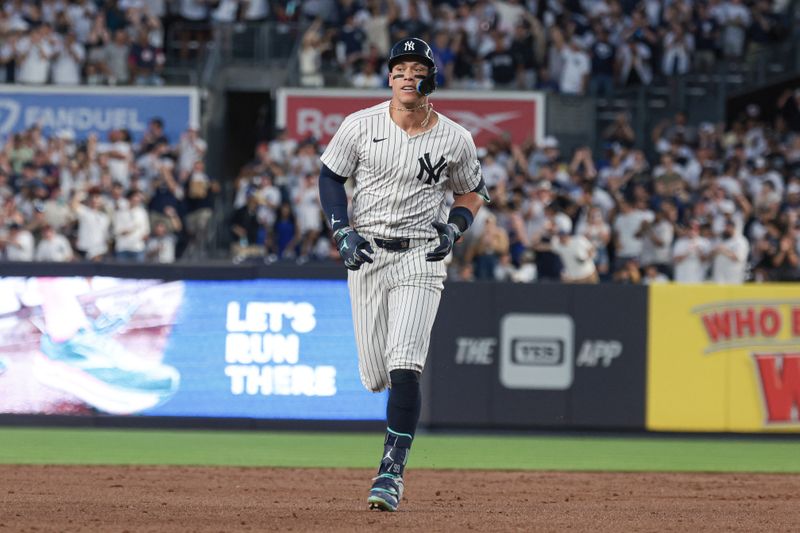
{"x":318,"y":113}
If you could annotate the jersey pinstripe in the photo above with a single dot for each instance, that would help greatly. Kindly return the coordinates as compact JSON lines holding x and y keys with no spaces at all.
{"x":401,"y":180}
{"x":401,"y":183}
{"x":394,"y":302}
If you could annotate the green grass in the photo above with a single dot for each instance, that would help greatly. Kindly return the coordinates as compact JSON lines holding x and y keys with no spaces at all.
{"x":238,"y":448}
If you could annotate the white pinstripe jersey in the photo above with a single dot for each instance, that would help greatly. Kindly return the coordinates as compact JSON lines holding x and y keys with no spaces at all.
{"x":401,"y":180}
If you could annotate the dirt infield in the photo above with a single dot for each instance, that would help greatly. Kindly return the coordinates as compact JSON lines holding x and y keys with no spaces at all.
{"x":116,"y":499}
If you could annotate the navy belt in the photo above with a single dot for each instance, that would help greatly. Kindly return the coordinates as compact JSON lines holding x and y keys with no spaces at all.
{"x":398,"y":245}
{"x":394,"y":245}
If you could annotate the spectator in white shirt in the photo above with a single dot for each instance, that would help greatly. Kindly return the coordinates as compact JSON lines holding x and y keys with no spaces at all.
{"x":50,"y":10}
{"x":494,"y":173}
{"x":131,"y":228}
{"x":269,"y":197}
{"x":735,"y":20}
{"x":148,"y":165}
{"x":576,"y":254}
{"x":161,"y":245}
{"x":69,"y":57}
{"x":576,"y":66}
{"x":678,"y":46}
{"x":306,"y":205}
{"x":81,"y":14}
{"x":760,"y":174}
{"x":115,"y":58}
{"x":730,"y":256}
{"x":634,"y":63}
{"x":282,"y":147}
{"x":690,"y":254}
{"x":367,"y":77}
{"x":720,"y":208}
{"x":598,"y":232}
{"x":652,"y":275}
{"x":192,"y":148}
{"x":310,"y":57}
{"x":120,"y":156}
{"x":18,"y":244}
{"x":657,"y":239}
{"x":53,"y":246}
{"x":93,"y":226}
{"x":34,"y":53}
{"x":255,"y":10}
{"x":627,"y":226}
{"x":225,"y":12}
{"x":194,"y":10}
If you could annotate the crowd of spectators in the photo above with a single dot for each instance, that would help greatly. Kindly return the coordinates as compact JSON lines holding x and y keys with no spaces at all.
{"x":571,"y":46}
{"x":112,"y":42}
{"x":708,"y":203}
{"x":568,"y":46}
{"x":712,"y":204}
{"x":63,"y":199}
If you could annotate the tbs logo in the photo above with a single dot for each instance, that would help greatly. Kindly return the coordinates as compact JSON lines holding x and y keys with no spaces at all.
{"x":541,"y":352}
{"x":537,"y":351}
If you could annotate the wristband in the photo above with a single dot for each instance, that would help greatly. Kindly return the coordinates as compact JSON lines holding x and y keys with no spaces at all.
{"x":461,"y":217}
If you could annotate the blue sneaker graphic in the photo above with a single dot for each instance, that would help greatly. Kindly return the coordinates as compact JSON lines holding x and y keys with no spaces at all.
{"x":101,"y":372}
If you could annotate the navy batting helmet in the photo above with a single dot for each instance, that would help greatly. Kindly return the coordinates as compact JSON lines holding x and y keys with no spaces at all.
{"x":413,"y":48}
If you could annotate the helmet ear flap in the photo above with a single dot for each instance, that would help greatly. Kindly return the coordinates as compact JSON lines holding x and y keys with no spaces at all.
{"x":427,"y":85}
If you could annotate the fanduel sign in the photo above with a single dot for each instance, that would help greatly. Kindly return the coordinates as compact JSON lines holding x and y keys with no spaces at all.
{"x":486,"y":115}
{"x":90,"y":110}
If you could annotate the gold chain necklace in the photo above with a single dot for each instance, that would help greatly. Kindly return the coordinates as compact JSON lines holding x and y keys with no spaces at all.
{"x":429,"y":105}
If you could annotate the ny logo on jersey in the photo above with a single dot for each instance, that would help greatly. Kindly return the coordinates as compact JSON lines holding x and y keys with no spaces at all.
{"x":433,"y":171}
{"x":409,"y":46}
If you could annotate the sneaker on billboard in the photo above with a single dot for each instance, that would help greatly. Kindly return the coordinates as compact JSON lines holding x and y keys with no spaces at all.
{"x":103,"y":373}
{"x":106,"y":324}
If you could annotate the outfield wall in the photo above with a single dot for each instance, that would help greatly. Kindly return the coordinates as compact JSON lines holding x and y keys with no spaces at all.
{"x":543,"y":355}
{"x":265,"y":347}
{"x":724,"y":358}
{"x":84,"y":111}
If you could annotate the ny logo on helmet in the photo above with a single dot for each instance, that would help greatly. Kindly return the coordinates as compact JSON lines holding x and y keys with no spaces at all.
{"x":432,"y":171}
{"x":409,"y":45}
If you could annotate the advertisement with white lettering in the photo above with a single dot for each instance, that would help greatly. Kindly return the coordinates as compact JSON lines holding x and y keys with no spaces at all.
{"x":267,"y":349}
{"x":486,"y":115}
{"x":83,"y":111}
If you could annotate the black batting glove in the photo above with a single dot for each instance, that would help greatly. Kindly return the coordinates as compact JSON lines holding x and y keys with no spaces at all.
{"x":353,"y":248}
{"x":448,"y":235}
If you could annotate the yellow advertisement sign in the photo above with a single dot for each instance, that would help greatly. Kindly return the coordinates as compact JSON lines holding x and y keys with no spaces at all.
{"x":724,"y":358}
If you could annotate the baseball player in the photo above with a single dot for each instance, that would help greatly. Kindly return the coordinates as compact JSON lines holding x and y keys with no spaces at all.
{"x":403,"y":157}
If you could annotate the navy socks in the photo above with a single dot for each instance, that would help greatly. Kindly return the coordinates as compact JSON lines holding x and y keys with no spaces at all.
{"x":402,"y":415}
{"x":405,"y":402}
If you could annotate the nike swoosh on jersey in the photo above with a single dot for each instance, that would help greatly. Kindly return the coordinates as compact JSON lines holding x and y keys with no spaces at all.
{"x":376,"y":140}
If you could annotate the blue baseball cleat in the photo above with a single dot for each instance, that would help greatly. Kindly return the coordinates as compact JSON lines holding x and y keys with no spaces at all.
{"x":385,"y":493}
